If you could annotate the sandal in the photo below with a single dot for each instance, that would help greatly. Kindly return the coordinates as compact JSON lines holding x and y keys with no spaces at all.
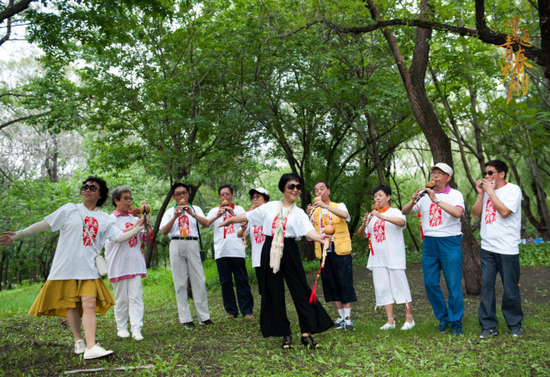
{"x":287,"y":342}
{"x":309,"y":342}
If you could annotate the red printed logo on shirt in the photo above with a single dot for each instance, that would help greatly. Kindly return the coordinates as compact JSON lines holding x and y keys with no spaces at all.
{"x":274,"y":226}
{"x":259,"y":234}
{"x":183,"y":221}
{"x":91,"y":227}
{"x":132,"y":241}
{"x":436,"y":218}
{"x":490,"y":212}
{"x":379,"y":230}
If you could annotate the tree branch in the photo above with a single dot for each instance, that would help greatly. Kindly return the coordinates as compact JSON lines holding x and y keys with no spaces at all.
{"x":14,"y":9}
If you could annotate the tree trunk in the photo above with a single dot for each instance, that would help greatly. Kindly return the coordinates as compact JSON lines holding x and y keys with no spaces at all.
{"x":440,"y":146}
{"x":4,"y":256}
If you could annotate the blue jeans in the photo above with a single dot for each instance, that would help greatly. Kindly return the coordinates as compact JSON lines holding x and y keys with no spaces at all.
{"x":444,"y":253}
{"x":508,"y":267}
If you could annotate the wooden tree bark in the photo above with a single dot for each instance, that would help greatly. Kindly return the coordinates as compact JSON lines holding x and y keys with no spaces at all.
{"x":440,"y":146}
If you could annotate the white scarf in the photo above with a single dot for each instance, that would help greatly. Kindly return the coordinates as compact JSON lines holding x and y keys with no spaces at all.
{"x":276,"y":252}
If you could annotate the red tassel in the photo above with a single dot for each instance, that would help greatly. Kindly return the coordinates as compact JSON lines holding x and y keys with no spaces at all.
{"x":420,"y":221}
{"x":313,"y":297}
{"x":370,"y":244}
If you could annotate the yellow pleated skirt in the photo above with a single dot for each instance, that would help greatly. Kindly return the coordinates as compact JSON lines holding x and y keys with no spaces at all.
{"x":56,"y":296}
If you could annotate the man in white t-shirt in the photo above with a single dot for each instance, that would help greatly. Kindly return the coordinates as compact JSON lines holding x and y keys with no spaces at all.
{"x":230,"y":256}
{"x":498,"y":204}
{"x":181,"y":224}
{"x":440,"y":209}
{"x":337,"y":274}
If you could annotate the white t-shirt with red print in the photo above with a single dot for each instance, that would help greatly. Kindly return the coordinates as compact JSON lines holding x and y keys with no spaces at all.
{"x":226,"y":242}
{"x":257,"y":239}
{"x":502,"y":235}
{"x":124,"y":260}
{"x":184,"y":220}
{"x":297,"y":223}
{"x":435,"y":221}
{"x":75,"y":256}
{"x":388,"y":245}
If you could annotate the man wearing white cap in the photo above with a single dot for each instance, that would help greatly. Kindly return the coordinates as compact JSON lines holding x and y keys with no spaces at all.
{"x":440,"y":209}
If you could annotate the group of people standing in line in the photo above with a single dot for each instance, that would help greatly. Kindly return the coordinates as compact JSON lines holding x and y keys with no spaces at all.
{"x":74,"y":288}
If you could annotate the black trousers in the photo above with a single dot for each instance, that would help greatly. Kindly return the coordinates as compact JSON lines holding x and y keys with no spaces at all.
{"x":229,"y":267}
{"x":273,"y":319}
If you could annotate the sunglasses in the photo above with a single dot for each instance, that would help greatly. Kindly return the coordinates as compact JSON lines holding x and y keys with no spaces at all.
{"x":292,"y":186}
{"x":181,"y":193}
{"x":92,"y":188}
{"x":489,"y":173}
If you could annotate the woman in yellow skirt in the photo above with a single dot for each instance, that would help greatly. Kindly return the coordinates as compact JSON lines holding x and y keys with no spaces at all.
{"x":74,"y":288}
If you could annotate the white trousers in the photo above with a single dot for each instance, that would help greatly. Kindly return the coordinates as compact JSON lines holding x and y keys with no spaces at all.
{"x":129,"y":294}
{"x":186,"y":265}
{"x":390,"y":286}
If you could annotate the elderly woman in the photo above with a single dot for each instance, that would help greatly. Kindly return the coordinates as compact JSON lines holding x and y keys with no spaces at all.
{"x":126,"y":267}
{"x":74,"y":288}
{"x":259,"y":196}
{"x":282,"y":222}
{"x":387,"y":259}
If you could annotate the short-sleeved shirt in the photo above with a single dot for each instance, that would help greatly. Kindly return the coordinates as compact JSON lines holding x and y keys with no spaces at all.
{"x":498,"y":234}
{"x":388,"y":245}
{"x":184,"y":220}
{"x":297,"y":223}
{"x":124,"y":260}
{"x":435,"y":221}
{"x":257,"y":240}
{"x":226,"y":242}
{"x":75,"y":255}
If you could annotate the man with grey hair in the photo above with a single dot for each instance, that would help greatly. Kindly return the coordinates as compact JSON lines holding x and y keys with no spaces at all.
{"x":440,"y":208}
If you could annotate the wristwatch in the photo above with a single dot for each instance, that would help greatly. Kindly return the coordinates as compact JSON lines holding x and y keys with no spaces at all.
{"x":437,"y":202}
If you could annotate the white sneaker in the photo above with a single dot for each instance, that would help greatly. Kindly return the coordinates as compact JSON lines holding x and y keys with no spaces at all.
{"x":123,"y":333}
{"x":387,"y":326}
{"x":96,"y":352}
{"x":79,"y":347}
{"x":408,"y":325}
{"x":136,"y":334}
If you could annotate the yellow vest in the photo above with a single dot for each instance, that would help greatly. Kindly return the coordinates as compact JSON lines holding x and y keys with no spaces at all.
{"x":341,"y":237}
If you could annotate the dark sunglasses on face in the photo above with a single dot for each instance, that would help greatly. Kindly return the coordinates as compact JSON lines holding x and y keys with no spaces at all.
{"x":489,"y":173}
{"x":92,"y":188}
{"x":292,"y":186}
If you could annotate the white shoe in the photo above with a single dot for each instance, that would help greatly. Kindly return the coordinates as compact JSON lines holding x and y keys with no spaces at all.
{"x":388,"y":326}
{"x":96,"y":352}
{"x":408,"y":325}
{"x":123,"y":333}
{"x":79,"y":347}
{"x":136,"y":334}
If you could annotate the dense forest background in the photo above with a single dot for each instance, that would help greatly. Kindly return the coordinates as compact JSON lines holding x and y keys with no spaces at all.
{"x":356,"y":93}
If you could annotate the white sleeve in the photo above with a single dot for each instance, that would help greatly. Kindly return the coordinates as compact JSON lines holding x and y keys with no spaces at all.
{"x":33,"y":229}
{"x":57,"y":219}
{"x":513,"y":200}
{"x":304,"y":224}
{"x":343,"y":207}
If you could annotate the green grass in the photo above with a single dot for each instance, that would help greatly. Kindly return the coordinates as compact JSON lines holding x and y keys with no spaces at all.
{"x":43,"y":346}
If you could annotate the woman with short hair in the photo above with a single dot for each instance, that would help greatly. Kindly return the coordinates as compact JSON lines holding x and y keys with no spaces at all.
{"x":282,"y":223}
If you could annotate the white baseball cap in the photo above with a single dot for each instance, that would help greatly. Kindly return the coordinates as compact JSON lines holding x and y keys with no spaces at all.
{"x":259,"y":190}
{"x":444,"y":168}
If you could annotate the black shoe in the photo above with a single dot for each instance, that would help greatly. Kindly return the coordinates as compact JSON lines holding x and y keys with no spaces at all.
{"x":442,"y":328}
{"x":287,"y":342}
{"x":517,"y":332}
{"x":456,"y":330}
{"x":488,"y":333}
{"x":189,"y":326}
{"x":309,"y":342}
{"x":207,"y":322}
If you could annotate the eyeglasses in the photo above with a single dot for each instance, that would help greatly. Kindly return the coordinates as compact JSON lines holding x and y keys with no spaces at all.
{"x":292,"y":186}
{"x":127,"y":198}
{"x":181,"y":193}
{"x":488,"y":172}
{"x":225,"y":194}
{"x":256,"y":197}
{"x":92,"y":188}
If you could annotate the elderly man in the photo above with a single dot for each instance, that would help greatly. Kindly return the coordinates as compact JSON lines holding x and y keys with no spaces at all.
{"x":230,"y":255}
{"x":181,"y":224}
{"x":441,"y":209}
{"x":337,"y":275}
{"x":498,"y":204}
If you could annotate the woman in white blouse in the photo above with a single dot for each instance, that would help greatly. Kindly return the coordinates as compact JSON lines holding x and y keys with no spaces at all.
{"x":387,"y":260}
{"x":282,"y":222}
{"x":127,"y":267}
{"x":74,"y":288}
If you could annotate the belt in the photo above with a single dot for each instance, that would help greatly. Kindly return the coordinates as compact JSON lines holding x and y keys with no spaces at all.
{"x":185,"y":238}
